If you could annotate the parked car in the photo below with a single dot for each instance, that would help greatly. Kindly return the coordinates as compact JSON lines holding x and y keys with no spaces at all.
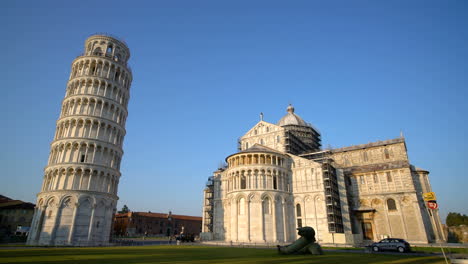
{"x":397,"y":244}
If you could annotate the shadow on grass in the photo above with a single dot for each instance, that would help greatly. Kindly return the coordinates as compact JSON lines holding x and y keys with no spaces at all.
{"x":192,"y":254}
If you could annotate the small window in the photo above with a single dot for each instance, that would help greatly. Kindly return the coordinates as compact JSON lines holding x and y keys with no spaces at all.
{"x":261,"y":141}
{"x":255,"y":132}
{"x":243,"y":182}
{"x":387,"y":154}
{"x":97,"y":224}
{"x":275,"y":184}
{"x":267,"y":129}
{"x":277,"y":139}
{"x":246,"y":145}
{"x":109,"y":49}
{"x":50,"y":214}
{"x":389,"y":177}
{"x":391,"y":205}
{"x":298,"y":210}
{"x":83,"y":158}
{"x":365,"y":157}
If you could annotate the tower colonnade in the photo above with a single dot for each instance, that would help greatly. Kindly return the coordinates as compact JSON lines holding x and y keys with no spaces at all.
{"x":95,"y":107}
{"x":79,"y":191}
{"x":85,"y":127}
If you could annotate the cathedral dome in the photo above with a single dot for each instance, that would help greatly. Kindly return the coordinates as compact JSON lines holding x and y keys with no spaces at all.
{"x":291,"y":118}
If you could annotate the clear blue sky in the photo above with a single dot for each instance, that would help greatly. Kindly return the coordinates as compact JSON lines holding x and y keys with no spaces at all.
{"x":360,"y":71}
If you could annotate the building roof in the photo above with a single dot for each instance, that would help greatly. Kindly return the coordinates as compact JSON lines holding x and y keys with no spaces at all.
{"x":370,"y":145}
{"x":4,"y":199}
{"x":260,"y":148}
{"x":16,"y":204}
{"x":419,"y":169}
{"x":291,"y":118}
{"x":256,"y":148}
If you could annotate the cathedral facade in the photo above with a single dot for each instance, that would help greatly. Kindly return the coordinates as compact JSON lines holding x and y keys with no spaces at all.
{"x":282,"y":179}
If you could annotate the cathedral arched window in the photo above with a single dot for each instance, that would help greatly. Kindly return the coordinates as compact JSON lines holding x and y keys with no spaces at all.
{"x":298,"y":210}
{"x":391,"y":205}
{"x":299,"y":215}
{"x":242,"y":206}
{"x":277,"y":139}
{"x":266,"y":205}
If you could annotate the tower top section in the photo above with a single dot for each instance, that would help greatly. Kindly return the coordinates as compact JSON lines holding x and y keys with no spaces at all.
{"x":107,"y":46}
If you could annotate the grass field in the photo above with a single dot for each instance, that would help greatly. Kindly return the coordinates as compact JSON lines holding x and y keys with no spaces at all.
{"x":192,"y":254}
{"x":437,"y":249}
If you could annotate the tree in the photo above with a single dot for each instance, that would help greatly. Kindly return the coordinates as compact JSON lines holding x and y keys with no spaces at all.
{"x":456,"y":219}
{"x":124,"y":210}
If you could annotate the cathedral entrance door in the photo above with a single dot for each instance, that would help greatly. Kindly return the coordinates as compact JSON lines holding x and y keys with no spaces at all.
{"x":367,"y":232}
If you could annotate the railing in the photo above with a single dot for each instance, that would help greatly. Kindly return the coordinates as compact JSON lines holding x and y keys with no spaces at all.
{"x":109,"y":35}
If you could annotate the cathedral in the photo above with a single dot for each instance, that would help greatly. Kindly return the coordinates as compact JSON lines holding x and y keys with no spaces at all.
{"x":281,"y":179}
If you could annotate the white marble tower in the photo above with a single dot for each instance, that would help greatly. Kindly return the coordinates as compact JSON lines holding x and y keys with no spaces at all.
{"x":79,"y":193}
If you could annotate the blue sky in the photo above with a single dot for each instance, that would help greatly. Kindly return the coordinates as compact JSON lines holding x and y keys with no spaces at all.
{"x":360,"y":71}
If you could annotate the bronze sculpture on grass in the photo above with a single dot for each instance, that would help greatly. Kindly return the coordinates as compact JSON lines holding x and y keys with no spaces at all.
{"x":304,"y":245}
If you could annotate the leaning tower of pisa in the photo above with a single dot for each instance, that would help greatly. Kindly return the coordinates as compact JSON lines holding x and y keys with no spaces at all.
{"x":79,"y":192}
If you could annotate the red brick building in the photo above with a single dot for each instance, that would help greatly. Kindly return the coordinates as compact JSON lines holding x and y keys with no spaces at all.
{"x":15,"y":217}
{"x":155,"y":224}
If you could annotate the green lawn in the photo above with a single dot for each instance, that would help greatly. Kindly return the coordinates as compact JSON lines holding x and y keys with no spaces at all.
{"x":438,"y":250}
{"x":192,"y":254}
{"x":451,"y":250}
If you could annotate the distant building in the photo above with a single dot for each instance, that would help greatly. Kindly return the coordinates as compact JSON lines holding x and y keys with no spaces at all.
{"x":15,"y":217}
{"x":155,"y":224}
{"x":282,"y":179}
